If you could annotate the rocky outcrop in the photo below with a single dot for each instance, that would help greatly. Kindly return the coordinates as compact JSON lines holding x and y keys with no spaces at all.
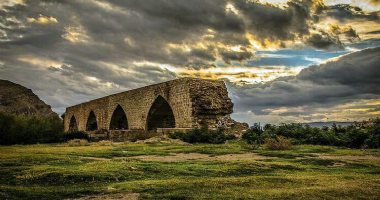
{"x":19,"y":100}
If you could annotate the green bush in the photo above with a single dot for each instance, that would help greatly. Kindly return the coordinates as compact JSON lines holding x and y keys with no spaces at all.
{"x":203,"y":135}
{"x":365,"y":134}
{"x":29,"y":130}
{"x":254,"y":135}
{"x":373,"y":131}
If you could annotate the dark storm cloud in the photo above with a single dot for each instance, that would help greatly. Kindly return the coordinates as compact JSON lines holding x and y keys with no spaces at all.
{"x":206,"y":54}
{"x":71,"y":51}
{"x":228,"y":56}
{"x":351,"y":77}
{"x":345,"y":13}
{"x":274,"y":23}
{"x":348,"y":12}
{"x":149,"y":26}
{"x":140,"y":30}
{"x":324,"y":40}
{"x":187,"y":14}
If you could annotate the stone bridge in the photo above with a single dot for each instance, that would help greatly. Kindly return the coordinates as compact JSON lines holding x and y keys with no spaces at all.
{"x":174,"y":105}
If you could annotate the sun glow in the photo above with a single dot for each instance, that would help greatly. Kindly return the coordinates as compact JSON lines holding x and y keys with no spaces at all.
{"x":263,"y":45}
{"x":243,"y":75}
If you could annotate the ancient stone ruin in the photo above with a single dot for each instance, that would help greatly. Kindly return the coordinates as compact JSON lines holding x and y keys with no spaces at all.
{"x":177,"y":105}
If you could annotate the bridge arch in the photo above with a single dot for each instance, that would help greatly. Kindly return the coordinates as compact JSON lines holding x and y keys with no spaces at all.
{"x":119,"y":120}
{"x":73,"y":125}
{"x":92,"y":123}
{"x":189,"y":103}
{"x":160,"y":115}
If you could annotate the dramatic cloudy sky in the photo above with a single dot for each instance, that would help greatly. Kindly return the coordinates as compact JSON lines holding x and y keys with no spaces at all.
{"x":282,"y":61}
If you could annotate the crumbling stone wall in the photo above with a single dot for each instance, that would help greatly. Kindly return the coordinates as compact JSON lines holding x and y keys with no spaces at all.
{"x":193,"y":102}
{"x":210,"y":103}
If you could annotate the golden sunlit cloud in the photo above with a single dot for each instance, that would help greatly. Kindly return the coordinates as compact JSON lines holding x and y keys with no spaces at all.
{"x":109,"y":7}
{"x":365,"y":27}
{"x":265,"y":44}
{"x":367,"y":5}
{"x":354,"y":111}
{"x":216,"y":48}
{"x":76,"y":34}
{"x":11,"y":2}
{"x":231,"y":8}
{"x":183,"y":47}
{"x":100,"y":83}
{"x":129,"y":41}
{"x":39,"y":62}
{"x":373,"y":103}
{"x":360,"y":27}
{"x":41,"y":19}
{"x":358,"y":110}
{"x":235,"y":74}
{"x":239,"y":75}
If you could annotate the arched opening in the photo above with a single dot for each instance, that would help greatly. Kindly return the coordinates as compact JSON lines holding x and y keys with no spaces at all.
{"x":160,"y":115}
{"x":119,"y":119}
{"x":73,"y":126}
{"x":91,"y":122}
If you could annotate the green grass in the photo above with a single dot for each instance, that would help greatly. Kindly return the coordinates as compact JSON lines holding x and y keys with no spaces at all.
{"x":306,"y":172}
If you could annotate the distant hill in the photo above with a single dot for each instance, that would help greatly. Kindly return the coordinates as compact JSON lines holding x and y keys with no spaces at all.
{"x":19,"y":100}
{"x":328,"y":124}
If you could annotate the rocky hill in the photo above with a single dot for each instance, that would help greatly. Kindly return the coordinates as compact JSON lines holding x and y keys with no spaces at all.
{"x":19,"y":100}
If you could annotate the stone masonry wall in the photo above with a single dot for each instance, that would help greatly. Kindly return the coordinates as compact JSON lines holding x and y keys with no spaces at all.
{"x":193,"y":101}
{"x":210,"y":103}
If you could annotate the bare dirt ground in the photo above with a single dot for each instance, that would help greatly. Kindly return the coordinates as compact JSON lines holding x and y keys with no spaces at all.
{"x":351,"y":158}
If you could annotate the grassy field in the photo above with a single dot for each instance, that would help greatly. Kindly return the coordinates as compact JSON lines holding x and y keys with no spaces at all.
{"x":183,"y":171}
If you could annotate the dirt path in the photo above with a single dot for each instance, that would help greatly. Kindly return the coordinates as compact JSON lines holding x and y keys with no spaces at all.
{"x":351,"y":158}
{"x":95,"y":158}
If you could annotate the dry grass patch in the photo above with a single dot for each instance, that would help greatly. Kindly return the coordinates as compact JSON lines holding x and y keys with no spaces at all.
{"x":77,"y":142}
{"x":278,"y":143}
